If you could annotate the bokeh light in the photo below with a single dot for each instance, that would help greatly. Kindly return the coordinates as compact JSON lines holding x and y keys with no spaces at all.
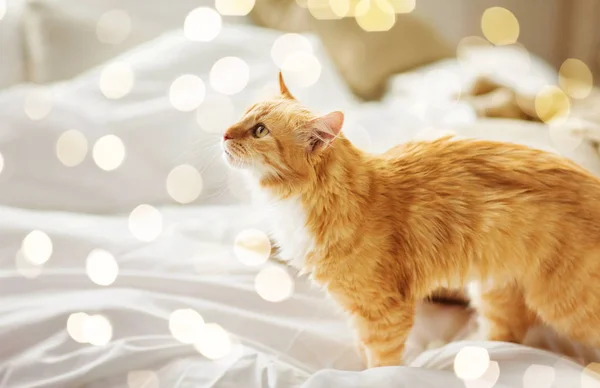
{"x":142,"y":379}
{"x":500,"y":26}
{"x":234,"y":7}
{"x":301,"y":69}
{"x":215,"y":113}
{"x":539,"y":376}
{"x":340,"y":8}
{"x":116,"y":80}
{"x":202,"y":24}
{"x":552,"y":104}
{"x":108,"y":152}
{"x":575,"y":78}
{"x":71,"y":148}
{"x":488,"y":379}
{"x":274,"y":284}
{"x":403,"y":6}
{"x":37,"y":247}
{"x":229,"y":75}
{"x":324,"y":10}
{"x":252,"y":247}
{"x":145,"y":223}
{"x":471,"y":362}
{"x":288,"y":44}
{"x":38,"y":103}
{"x":375,"y":15}
{"x":184,"y":183}
{"x":186,"y":325}
{"x":113,"y":26}
{"x":25,"y":267}
{"x":75,"y":327}
{"x":214,"y":342}
{"x":590,"y":377}
{"x":97,"y":330}
{"x":187,"y":92}
{"x":101,"y":267}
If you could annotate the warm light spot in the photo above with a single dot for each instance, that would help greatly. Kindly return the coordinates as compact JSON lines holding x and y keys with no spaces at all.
{"x":187,"y":92}
{"x":116,"y":80}
{"x":375,"y":15}
{"x":288,"y":44}
{"x":538,"y":376}
{"x":552,"y":104}
{"x":403,"y":6}
{"x":184,"y":183}
{"x":575,"y":78}
{"x":142,"y":379}
{"x":488,"y":379}
{"x":71,"y":148}
{"x":75,"y":324}
{"x":590,"y":378}
{"x":234,"y":7}
{"x":214,"y":342}
{"x":37,"y":247}
{"x":499,"y":26}
{"x":471,"y":362}
{"x":101,"y":267}
{"x":108,"y":152}
{"x":2,"y":8}
{"x":215,"y":114}
{"x":229,"y":75}
{"x":274,"y":284}
{"x":186,"y":325}
{"x":301,"y":70}
{"x":340,"y":8}
{"x":38,"y":103}
{"x":97,"y":330}
{"x":113,"y":26}
{"x":145,"y":223}
{"x":25,"y":267}
{"x":252,"y":247}
{"x":202,"y":24}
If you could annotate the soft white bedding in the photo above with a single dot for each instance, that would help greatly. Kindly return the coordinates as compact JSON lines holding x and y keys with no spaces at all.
{"x":299,"y":342}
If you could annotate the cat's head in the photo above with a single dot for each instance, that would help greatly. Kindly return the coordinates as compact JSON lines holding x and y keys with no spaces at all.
{"x":280,"y":137}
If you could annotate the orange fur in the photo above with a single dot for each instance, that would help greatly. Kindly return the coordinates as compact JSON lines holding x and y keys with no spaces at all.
{"x":381,"y":232}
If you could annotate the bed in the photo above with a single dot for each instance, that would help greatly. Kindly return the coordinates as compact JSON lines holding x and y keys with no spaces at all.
{"x":135,"y":281}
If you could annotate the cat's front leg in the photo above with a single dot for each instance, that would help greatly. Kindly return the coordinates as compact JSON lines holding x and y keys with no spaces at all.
{"x":383,"y":328}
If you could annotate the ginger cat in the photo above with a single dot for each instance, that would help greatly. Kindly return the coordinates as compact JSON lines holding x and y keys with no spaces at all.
{"x":381,"y":232}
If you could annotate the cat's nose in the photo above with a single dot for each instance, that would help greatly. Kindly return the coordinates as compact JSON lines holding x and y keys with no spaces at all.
{"x":227,"y":137}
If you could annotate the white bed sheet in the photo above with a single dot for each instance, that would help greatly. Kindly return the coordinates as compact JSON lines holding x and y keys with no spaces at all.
{"x":190,"y":265}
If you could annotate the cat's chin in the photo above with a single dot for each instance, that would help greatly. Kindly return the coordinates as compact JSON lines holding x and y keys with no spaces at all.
{"x":232,"y":161}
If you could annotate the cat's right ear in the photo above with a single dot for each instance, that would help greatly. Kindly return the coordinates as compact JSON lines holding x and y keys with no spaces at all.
{"x":283,"y":88}
{"x":324,"y":130}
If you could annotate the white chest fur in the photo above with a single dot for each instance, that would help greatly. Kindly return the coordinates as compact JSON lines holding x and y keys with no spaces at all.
{"x":288,"y":222}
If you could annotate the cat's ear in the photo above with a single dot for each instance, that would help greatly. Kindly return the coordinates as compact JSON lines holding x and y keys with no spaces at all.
{"x":324,"y":130}
{"x":283,"y":88}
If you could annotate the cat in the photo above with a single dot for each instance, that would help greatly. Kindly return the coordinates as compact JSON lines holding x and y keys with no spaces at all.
{"x":379,"y":233}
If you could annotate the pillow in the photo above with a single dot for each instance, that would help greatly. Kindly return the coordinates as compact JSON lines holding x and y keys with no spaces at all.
{"x":11,"y":43}
{"x":155,"y":136}
{"x":365,"y":59}
{"x":62,"y":36}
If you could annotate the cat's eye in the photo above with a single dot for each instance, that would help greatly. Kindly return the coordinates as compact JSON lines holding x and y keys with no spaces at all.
{"x":260,"y":131}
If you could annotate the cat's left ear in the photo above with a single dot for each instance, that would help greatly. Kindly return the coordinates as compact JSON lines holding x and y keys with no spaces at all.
{"x":283,"y":88}
{"x":324,"y":130}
